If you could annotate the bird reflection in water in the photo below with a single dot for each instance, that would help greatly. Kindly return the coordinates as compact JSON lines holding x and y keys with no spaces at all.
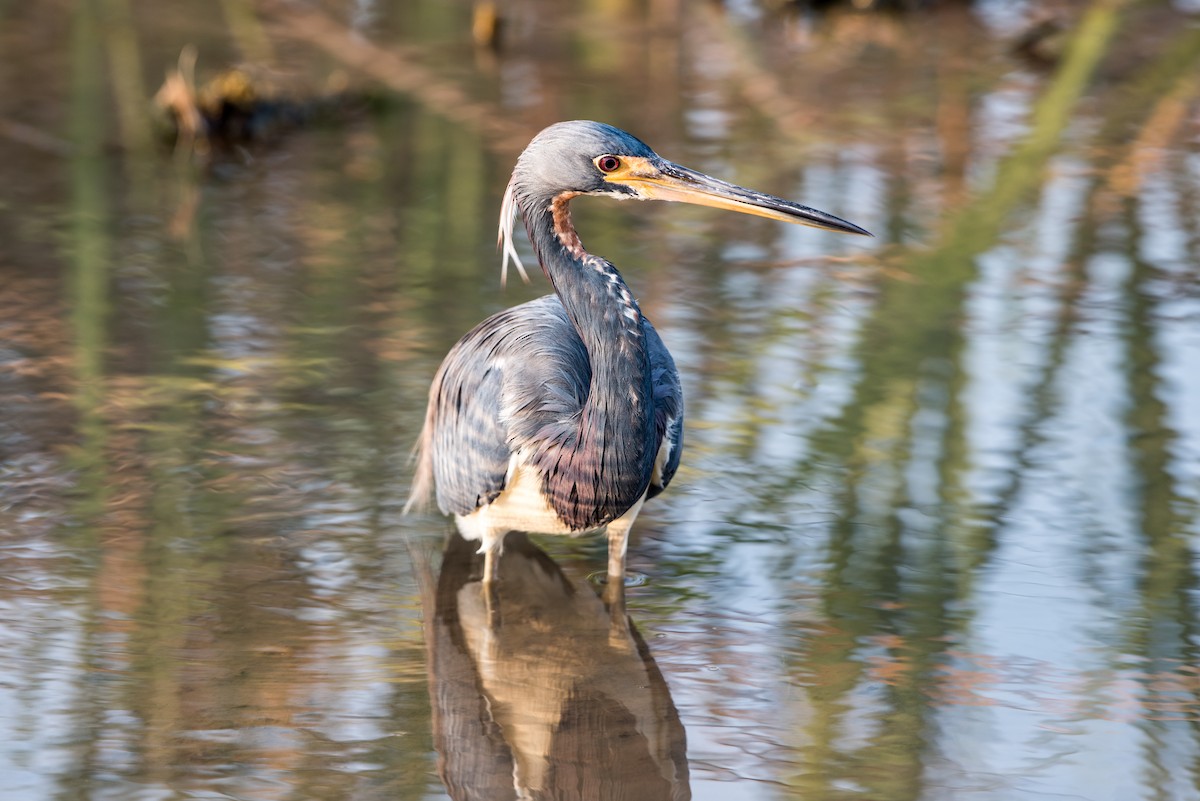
{"x":552,"y":695}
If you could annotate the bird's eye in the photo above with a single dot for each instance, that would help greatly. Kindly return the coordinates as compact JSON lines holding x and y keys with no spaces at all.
{"x":608,"y":163}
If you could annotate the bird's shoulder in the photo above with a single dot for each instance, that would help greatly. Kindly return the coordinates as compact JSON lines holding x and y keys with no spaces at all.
{"x":530,"y":350}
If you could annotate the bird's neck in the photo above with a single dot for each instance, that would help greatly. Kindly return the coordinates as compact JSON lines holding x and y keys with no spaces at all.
{"x":597,"y":300}
{"x":611,"y":451}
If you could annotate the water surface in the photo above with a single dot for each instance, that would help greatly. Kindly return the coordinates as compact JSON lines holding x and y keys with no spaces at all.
{"x":934,"y":535}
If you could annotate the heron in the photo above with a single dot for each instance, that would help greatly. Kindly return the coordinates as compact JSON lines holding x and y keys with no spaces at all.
{"x":563,"y":415}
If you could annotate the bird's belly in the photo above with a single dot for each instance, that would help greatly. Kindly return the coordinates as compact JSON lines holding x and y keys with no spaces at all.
{"x":520,"y":507}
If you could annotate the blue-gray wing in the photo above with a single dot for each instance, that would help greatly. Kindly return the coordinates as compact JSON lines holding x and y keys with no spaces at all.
{"x":668,"y":409}
{"x":527,"y":360}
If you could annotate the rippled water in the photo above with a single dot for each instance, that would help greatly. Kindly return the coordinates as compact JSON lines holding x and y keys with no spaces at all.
{"x":935,"y":532}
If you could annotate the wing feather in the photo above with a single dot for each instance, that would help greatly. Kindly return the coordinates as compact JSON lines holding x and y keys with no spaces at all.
{"x":668,"y":409}
{"x":525,"y":364}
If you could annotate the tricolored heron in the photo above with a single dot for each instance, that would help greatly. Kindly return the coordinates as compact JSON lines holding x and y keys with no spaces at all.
{"x":564,"y":414}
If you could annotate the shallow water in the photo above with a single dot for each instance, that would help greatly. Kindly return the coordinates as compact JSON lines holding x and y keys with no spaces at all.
{"x":934,"y":536}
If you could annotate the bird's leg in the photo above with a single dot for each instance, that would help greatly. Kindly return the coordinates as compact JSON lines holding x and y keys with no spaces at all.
{"x":491,"y":557}
{"x":614,"y":586}
{"x":489,"y":566}
{"x":618,"y":542}
{"x":491,"y":604}
{"x":491,"y":545}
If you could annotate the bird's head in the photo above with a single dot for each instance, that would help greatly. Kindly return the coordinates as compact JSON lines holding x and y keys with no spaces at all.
{"x":571,"y":157}
{"x":581,"y":157}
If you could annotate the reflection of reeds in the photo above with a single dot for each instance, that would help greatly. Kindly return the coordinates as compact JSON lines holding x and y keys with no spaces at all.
{"x":1168,"y":86}
{"x":401,"y":73}
{"x":125,"y":64}
{"x":247,"y":30}
{"x":1143,"y":96}
{"x":1022,"y":172}
{"x":90,"y":246}
{"x":914,"y":325}
{"x":88,"y":256}
{"x":1163,"y":628}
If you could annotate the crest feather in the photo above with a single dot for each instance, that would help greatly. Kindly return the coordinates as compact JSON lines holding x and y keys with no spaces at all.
{"x":504,"y":239}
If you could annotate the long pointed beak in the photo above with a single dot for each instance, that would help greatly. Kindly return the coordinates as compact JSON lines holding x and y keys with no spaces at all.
{"x":659,"y":179}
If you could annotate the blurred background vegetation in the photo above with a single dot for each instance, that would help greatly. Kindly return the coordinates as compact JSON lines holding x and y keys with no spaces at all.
{"x":935,"y":536}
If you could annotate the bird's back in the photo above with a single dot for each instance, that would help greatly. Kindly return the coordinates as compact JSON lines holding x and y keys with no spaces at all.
{"x":520,"y":378}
